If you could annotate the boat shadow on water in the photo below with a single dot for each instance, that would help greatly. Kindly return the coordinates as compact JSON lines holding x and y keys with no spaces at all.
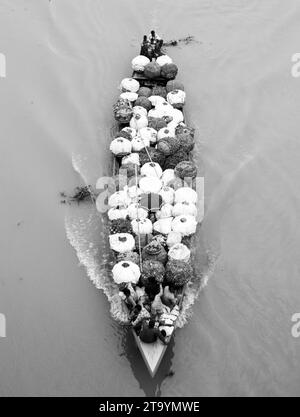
{"x":151,"y":386}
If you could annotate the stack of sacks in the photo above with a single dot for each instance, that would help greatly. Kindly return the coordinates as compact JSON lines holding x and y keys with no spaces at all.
{"x":154,"y":144}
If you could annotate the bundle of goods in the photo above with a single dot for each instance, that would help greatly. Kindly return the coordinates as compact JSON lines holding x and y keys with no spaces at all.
{"x":178,"y":273}
{"x":157,"y":123}
{"x":130,"y":85}
{"x":148,"y":134}
{"x":164,"y":59}
{"x":144,"y":102}
{"x":168,"y":145}
{"x":169,"y":71}
{"x":154,"y":251}
{"x":179,"y":252}
{"x":186,"y":169}
{"x":186,"y":136}
{"x":174,"y":85}
{"x":176,"y":98}
{"x":144,"y":92}
{"x":139,"y":62}
{"x":152,"y":70}
{"x":173,"y":160}
{"x":126,"y":271}
{"x":122,"y":242}
{"x":120,"y":226}
{"x":159,"y":91}
{"x":123,"y":111}
{"x":154,"y":269}
{"x":128,"y":256}
{"x":141,"y":226}
{"x":150,"y":154}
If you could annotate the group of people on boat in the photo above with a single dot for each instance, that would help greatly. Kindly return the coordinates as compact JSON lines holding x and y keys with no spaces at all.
{"x":149,"y":308}
{"x":151,"y":46}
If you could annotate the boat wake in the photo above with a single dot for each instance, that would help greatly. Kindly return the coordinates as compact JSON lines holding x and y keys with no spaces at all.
{"x":87,"y":231}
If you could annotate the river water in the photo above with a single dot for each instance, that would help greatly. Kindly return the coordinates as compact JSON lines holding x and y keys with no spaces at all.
{"x":65,"y":60}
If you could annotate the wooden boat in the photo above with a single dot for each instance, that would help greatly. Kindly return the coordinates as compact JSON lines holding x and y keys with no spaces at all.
{"x":152,"y":353}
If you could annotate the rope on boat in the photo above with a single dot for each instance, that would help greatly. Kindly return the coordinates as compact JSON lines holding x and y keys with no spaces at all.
{"x":138,"y":222}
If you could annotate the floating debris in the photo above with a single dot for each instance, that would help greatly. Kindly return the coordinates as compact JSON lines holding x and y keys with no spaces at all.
{"x":186,"y":41}
{"x":81,"y":194}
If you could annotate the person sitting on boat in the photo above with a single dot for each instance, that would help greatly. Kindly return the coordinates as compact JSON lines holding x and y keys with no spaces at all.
{"x":157,"y":48}
{"x":157,"y":306}
{"x":126,"y":296}
{"x":152,"y":288}
{"x":140,"y":313}
{"x":168,"y":297}
{"x":141,"y":294}
{"x":146,"y":49}
{"x":150,"y":333}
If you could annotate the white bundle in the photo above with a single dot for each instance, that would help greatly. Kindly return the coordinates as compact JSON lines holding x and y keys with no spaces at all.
{"x":150,"y":185}
{"x":164,"y":212}
{"x":138,"y":121}
{"x":164,"y":59}
{"x":163,"y":226}
{"x":176,"y":115}
{"x":138,"y":143}
{"x":133,"y":158}
{"x":120,"y":146}
{"x":185,"y":208}
{"x":129,"y":84}
{"x":168,"y":176}
{"x":148,"y":133}
{"x":119,"y":198}
{"x":176,"y":98}
{"x":179,"y":252}
{"x":139,"y":62}
{"x":134,"y":191}
{"x":140,"y":110}
{"x":122,"y":242}
{"x":117,"y":213}
{"x":167,"y":194}
{"x":151,"y":169}
{"x":184,"y":224}
{"x":132,"y":132}
{"x":129,"y":96}
{"x":156,"y":100}
{"x":173,"y":238}
{"x":165,"y":132}
{"x":142,"y":226}
{"x":185,"y":195}
{"x":165,"y":109}
{"x":136,"y":212}
{"x":126,"y":271}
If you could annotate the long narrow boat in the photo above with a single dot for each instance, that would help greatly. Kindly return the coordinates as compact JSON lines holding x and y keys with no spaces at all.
{"x":152,"y":353}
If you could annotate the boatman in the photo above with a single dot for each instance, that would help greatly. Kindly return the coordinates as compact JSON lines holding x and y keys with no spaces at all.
{"x":153,"y":38}
{"x":149,"y":333}
{"x":146,"y":48}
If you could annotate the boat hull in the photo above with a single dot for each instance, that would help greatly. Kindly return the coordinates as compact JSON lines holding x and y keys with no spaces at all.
{"x":152,"y":353}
